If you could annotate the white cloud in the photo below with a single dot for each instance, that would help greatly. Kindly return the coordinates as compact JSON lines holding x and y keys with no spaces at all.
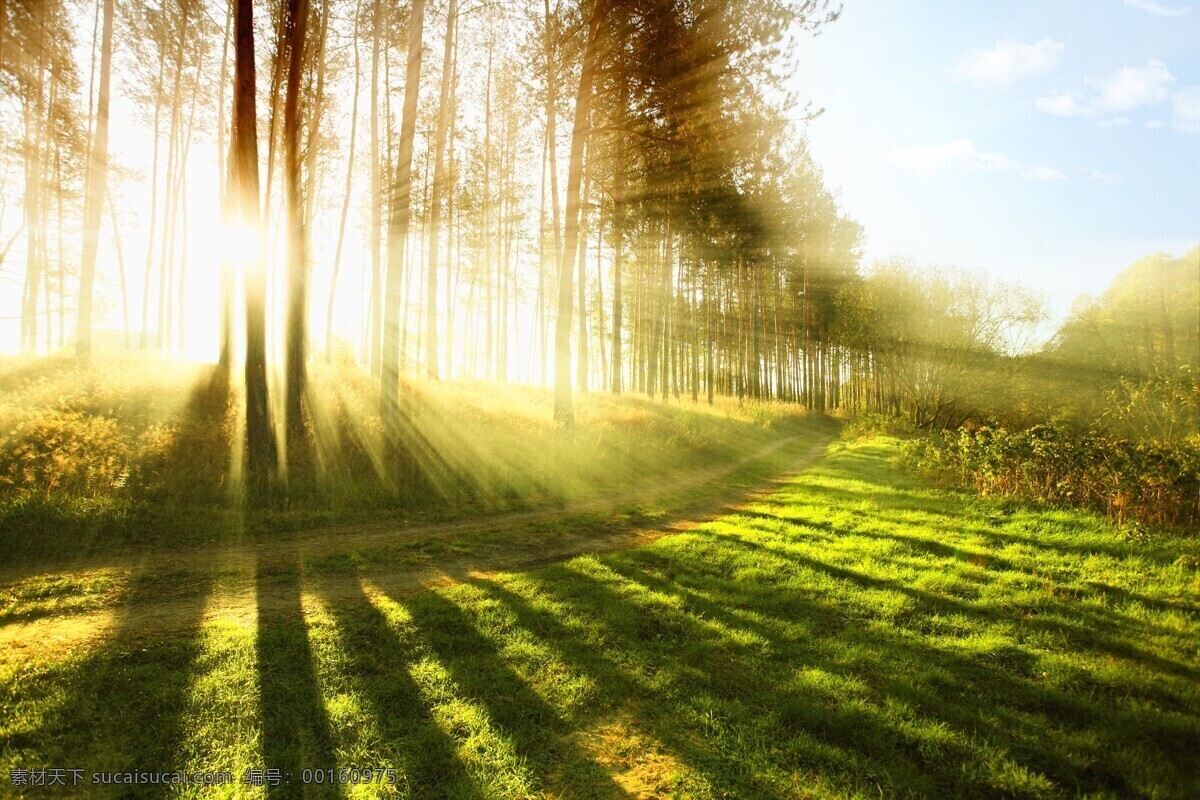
{"x":1185,"y":114}
{"x":1155,"y":124}
{"x":1122,"y":90}
{"x":1151,"y":7}
{"x":1007,"y":61}
{"x":1040,"y":173}
{"x":925,"y":159}
{"x":1132,"y":87}
{"x":1104,"y":177}
{"x":1065,"y":104}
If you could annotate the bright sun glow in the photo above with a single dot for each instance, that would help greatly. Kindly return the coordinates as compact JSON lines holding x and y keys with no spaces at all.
{"x":240,"y":245}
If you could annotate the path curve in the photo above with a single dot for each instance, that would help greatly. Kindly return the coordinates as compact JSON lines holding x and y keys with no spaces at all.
{"x":240,"y":601}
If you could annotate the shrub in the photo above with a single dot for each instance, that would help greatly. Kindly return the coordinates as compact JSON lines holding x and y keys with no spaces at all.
{"x":1142,"y":481}
{"x":65,"y":452}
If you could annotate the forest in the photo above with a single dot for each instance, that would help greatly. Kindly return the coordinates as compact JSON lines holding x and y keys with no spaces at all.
{"x":478,"y":398}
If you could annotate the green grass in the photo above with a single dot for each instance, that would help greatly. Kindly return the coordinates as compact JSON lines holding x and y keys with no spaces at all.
{"x":852,"y":634}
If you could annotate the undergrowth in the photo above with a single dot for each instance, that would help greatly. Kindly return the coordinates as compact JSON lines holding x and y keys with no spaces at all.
{"x":137,"y":449}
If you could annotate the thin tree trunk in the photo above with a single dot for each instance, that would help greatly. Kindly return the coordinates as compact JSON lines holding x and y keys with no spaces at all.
{"x":310,"y":185}
{"x":618,"y":263}
{"x":34,"y":114}
{"x":755,"y":337}
{"x":173,"y":179}
{"x":564,"y":413}
{"x":485,"y":223}
{"x":337,"y":253}
{"x":162,"y":59}
{"x":59,"y":188}
{"x":296,"y":373}
{"x":373,"y":315}
{"x":710,"y":335}
{"x":541,"y":290}
{"x":398,"y":233}
{"x":435,"y":222}
{"x":225,"y":358}
{"x":96,"y":18}
{"x":112,"y":211}
{"x":453,"y":251}
{"x":277,"y":77}
{"x":600,"y":303}
{"x":552,"y":142}
{"x":695,"y":331}
{"x":581,"y":363}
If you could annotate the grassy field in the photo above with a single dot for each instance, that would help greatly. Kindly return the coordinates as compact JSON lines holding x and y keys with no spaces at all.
{"x":850,"y":633}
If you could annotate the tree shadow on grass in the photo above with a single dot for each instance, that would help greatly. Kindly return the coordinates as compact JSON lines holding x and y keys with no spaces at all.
{"x":536,"y":728}
{"x":712,"y":698}
{"x":1089,"y":627}
{"x":126,"y":701}
{"x":917,"y":543}
{"x":192,"y":463}
{"x":296,"y":734}
{"x":938,"y":686}
{"x":428,"y":763}
{"x":618,"y":685}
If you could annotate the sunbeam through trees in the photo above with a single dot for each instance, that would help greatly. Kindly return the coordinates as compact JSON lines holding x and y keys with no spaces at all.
{"x":599,"y":398}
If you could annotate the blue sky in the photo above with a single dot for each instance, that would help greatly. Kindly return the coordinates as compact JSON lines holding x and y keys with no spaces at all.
{"x":1053,"y":142}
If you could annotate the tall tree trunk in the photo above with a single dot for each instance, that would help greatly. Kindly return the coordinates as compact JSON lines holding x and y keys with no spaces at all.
{"x":756,"y":388}
{"x":261,"y":453}
{"x":297,"y":295}
{"x":540,"y":313}
{"x":59,"y":189}
{"x":551,"y":150}
{"x":710,"y":378}
{"x":278,"y":58}
{"x":504,"y":247}
{"x":453,"y":244}
{"x":779,"y":348}
{"x":435,"y":222}
{"x":600,"y":303}
{"x":174,"y":179}
{"x":581,"y":363}
{"x":225,"y":358}
{"x":694,"y":329}
{"x":401,"y":213}
{"x":375,"y":305}
{"x":618,"y":234}
{"x":663,"y":338}
{"x":158,"y":86}
{"x":311,"y":184}
{"x":34,"y":115}
{"x":564,"y":413}
{"x":486,"y":212}
{"x":337,"y":252}
{"x":112,"y":211}
{"x":91,"y":95}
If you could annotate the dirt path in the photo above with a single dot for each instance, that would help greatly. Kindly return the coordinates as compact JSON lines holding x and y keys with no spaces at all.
{"x":240,"y":582}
